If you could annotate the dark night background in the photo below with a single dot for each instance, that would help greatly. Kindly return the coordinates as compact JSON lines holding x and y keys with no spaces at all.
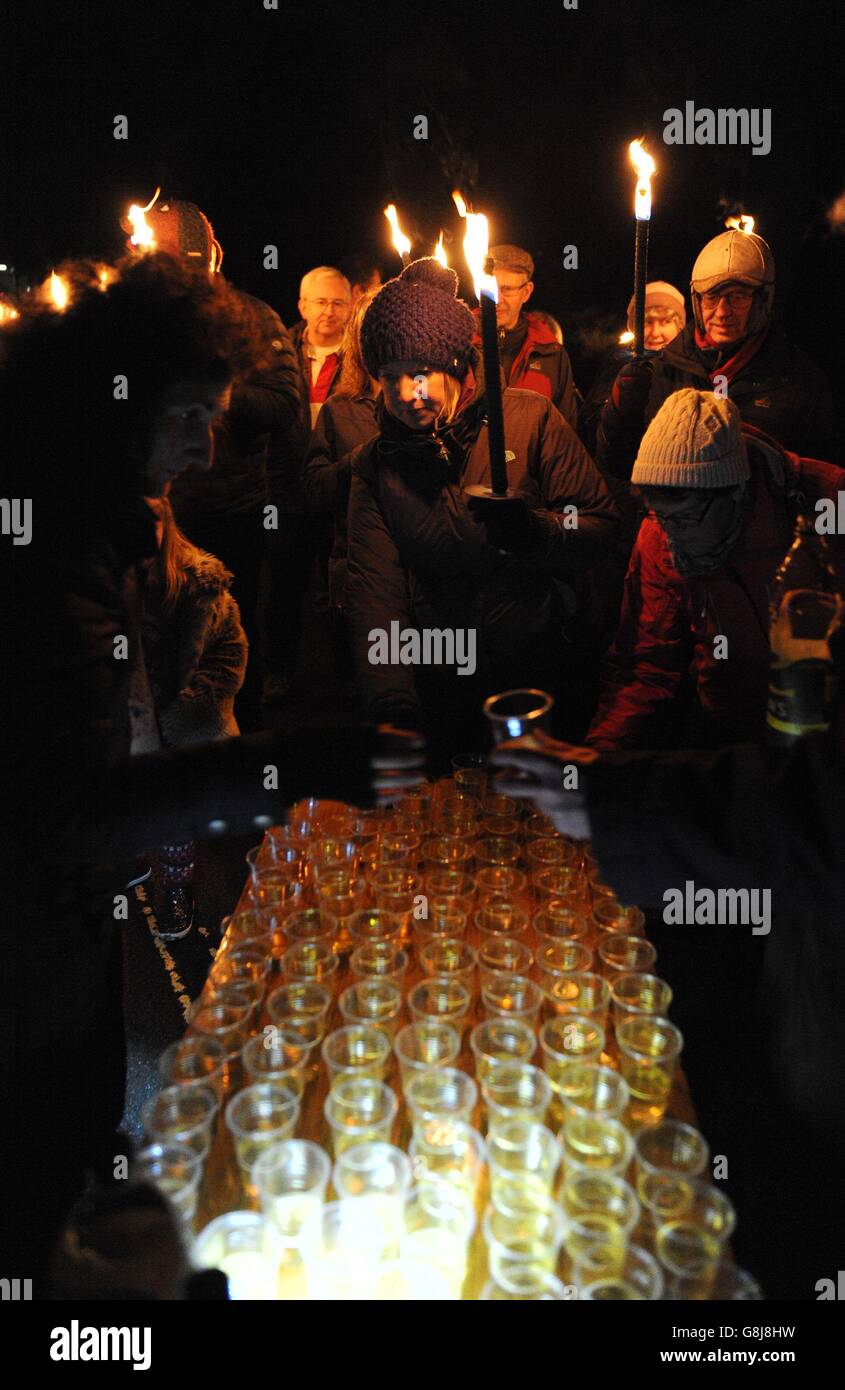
{"x":294,"y":127}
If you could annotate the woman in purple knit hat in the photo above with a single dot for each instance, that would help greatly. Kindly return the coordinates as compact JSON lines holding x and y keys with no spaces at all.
{"x":445,"y":609}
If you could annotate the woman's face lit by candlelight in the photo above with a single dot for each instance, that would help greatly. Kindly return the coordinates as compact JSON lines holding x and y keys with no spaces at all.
{"x":661,"y":326}
{"x":413,"y":393}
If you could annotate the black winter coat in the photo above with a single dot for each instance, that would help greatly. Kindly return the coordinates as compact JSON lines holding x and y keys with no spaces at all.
{"x":417,"y":555}
{"x":591,"y":407}
{"x":780,"y":391}
{"x":303,"y":365}
{"x":258,"y":436}
{"x":341,"y":426}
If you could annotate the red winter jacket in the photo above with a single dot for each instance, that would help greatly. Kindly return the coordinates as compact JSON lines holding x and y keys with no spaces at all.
{"x":542,"y":365}
{"x":663,"y":664}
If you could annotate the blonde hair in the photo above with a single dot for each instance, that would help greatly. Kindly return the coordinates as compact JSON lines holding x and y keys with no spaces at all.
{"x":452,"y":390}
{"x":175,"y":553}
{"x":354,"y":379}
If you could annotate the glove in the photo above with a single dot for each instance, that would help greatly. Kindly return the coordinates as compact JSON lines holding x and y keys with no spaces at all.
{"x":631,"y":388}
{"x":556,"y":779}
{"x":510,"y":525}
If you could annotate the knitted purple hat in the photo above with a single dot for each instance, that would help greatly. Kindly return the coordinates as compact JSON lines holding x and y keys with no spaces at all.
{"x":418,"y":318}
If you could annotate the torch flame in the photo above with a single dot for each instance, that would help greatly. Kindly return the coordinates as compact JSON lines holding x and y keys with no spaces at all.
{"x":626,"y":337}
{"x":59,"y":291}
{"x":8,"y":313}
{"x":439,"y":252}
{"x":645,"y":167}
{"x":400,"y":241}
{"x":475,"y":249}
{"x":142,"y":232}
{"x":742,"y":223}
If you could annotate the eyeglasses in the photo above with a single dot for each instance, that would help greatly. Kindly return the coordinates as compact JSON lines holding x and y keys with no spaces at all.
{"x":324,"y":303}
{"x":737,"y":299}
{"x":508,"y":290}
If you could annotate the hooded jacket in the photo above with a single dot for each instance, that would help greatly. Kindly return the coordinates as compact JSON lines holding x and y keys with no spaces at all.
{"x":195,"y":655}
{"x":417,"y":555}
{"x":666,"y":645}
{"x":542,"y":365}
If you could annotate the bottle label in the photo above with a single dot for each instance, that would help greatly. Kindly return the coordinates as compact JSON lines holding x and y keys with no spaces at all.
{"x":799,"y":698}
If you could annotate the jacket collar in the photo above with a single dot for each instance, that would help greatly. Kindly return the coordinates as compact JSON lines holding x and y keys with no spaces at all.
{"x":444,"y":451}
{"x":685,"y":354}
{"x":536,"y":332}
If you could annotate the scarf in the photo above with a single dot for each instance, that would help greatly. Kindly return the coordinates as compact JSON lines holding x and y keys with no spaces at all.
{"x":433,"y":457}
{"x":714,"y":537}
{"x":735,"y":364}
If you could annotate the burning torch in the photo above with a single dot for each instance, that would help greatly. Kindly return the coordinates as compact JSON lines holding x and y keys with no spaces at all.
{"x":645,"y":167}
{"x":487,"y":293}
{"x":400,"y":241}
{"x":141,"y":236}
{"x":741,"y":223}
{"x":59,"y":292}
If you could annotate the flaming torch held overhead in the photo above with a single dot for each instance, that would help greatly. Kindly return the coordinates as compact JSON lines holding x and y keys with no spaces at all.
{"x":400,"y":241}
{"x":645,"y":167}
{"x":142,"y":237}
{"x":743,"y":223}
{"x":487,"y":293}
{"x":106,"y":275}
{"x":59,"y":292}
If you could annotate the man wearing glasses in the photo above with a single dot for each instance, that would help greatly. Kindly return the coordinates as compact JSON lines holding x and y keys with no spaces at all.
{"x":325,"y":298}
{"x":532,"y":358}
{"x":733,"y":347}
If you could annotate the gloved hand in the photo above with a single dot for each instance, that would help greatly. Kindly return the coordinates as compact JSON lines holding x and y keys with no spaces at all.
{"x":631,"y":388}
{"x":510,"y":525}
{"x":553,"y":778}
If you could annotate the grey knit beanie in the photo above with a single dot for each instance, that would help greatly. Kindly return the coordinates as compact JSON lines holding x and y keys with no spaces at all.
{"x":417,"y":318}
{"x":694,"y":440}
